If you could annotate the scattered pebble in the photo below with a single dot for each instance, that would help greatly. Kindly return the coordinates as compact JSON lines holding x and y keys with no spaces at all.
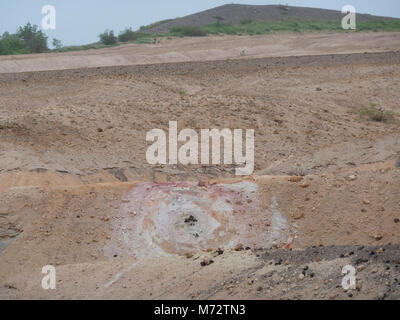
{"x":238,"y":247}
{"x":304,"y":185}
{"x":206,"y":261}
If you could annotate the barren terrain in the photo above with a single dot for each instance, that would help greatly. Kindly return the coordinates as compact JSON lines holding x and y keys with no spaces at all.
{"x":76,"y":191}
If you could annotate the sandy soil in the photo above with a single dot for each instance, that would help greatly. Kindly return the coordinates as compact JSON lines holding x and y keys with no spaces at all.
{"x":76,"y":191}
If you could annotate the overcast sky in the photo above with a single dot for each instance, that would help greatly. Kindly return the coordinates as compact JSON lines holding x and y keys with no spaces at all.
{"x":81,"y":21}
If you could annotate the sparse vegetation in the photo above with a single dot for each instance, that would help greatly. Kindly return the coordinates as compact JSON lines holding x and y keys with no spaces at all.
{"x":57,"y":44}
{"x":187,"y":31}
{"x":284,"y":9}
{"x":376,"y":114}
{"x":80,"y":48}
{"x":135,"y":36}
{"x":127,"y":35}
{"x":155,"y":24}
{"x":296,"y":25}
{"x":246,"y":21}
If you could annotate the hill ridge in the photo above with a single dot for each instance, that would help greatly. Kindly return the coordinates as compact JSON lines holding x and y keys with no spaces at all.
{"x":235,"y":13}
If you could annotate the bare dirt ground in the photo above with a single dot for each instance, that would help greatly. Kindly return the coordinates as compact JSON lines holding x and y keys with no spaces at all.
{"x":76,"y":191}
{"x":209,"y":48}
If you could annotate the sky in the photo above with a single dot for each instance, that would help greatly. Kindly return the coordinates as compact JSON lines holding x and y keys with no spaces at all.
{"x":81,"y":21}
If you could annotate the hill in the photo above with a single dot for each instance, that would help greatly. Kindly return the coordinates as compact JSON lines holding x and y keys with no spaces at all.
{"x":238,"y":14}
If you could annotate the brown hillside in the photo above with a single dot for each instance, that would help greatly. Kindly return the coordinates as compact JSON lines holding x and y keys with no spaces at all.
{"x":234,"y":13}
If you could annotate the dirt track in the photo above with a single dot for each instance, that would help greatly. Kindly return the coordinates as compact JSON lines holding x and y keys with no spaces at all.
{"x":73,"y":173}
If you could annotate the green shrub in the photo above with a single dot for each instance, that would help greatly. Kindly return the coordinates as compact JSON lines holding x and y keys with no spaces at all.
{"x":12,"y":44}
{"x":376,"y":114}
{"x":57,"y":44}
{"x":27,"y":39}
{"x":34,"y":39}
{"x":128,"y":35}
{"x":108,"y":37}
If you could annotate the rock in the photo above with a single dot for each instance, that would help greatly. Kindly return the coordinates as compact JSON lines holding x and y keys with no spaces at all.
{"x":298,"y":215}
{"x":366,"y":201}
{"x":305,"y":185}
{"x":360,"y":268}
{"x":206,"y":261}
{"x":295,"y":179}
{"x":380,"y":250}
{"x":189,"y":255}
{"x":286,"y":263}
{"x":259,"y":288}
{"x":397,"y":163}
{"x":396,"y":220}
{"x":238,"y":247}
{"x":10,"y":286}
{"x":201,"y":184}
{"x":301,"y":276}
{"x":352,"y":177}
{"x":378,"y":237}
